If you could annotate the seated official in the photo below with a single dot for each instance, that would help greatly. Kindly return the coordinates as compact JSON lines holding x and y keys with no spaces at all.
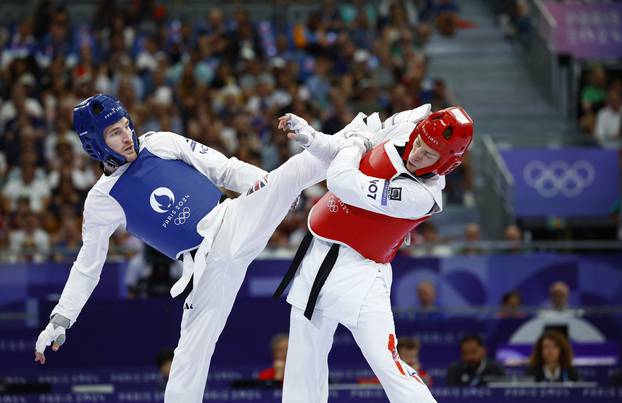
{"x":551,"y":359}
{"x":474,"y":368}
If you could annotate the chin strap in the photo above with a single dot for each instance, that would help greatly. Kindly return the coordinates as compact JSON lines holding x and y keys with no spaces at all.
{"x":108,"y":168}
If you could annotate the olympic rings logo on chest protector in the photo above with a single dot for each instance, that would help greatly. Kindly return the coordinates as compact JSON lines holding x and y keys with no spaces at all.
{"x":559,"y":177}
{"x":332,"y":205}
{"x":183,"y":215}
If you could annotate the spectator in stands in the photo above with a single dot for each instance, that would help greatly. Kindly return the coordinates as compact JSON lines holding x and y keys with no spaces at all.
{"x":447,"y":16}
{"x":65,"y":194}
{"x":513,"y":236}
{"x":459,"y":186}
{"x":521,"y":21}
{"x":558,"y":299}
{"x":559,"y":293}
{"x":431,"y":242}
{"x":441,"y":98}
{"x":551,"y":359}
{"x":147,"y":58}
{"x":593,"y":97}
{"x":29,"y":243}
{"x":339,"y":114}
{"x":161,"y":114}
{"x":67,"y":241}
{"x":62,"y":133}
{"x":20,"y":103}
{"x":513,"y":233}
{"x":471,"y":238}
{"x":132,"y":250}
{"x":22,"y":137}
{"x":511,"y":304}
{"x":408,"y":349}
{"x":609,"y":120}
{"x":318,"y":84}
{"x":474,"y":368}
{"x":426,"y":294}
{"x":71,"y":167}
{"x":60,"y":40}
{"x":27,"y":182}
{"x":17,"y":215}
{"x":278,"y":346}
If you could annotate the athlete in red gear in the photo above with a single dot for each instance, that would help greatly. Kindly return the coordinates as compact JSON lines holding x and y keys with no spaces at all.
{"x":375,"y":199}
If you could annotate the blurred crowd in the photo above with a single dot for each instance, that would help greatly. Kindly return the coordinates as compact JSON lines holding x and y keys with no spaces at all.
{"x":219,"y":79}
{"x":599,"y":109}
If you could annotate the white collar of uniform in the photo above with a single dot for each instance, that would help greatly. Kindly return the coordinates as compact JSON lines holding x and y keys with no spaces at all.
{"x":394,"y":156}
{"x":434,"y":185}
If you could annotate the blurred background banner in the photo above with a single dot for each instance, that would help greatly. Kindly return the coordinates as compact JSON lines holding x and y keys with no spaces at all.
{"x":461,"y":281}
{"x":563,"y":183}
{"x":19,"y":281}
{"x":470,"y":289}
{"x":464,"y":281}
{"x":587,"y":30}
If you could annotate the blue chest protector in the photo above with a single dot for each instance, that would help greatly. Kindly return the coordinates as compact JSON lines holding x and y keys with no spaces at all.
{"x":163,"y":201}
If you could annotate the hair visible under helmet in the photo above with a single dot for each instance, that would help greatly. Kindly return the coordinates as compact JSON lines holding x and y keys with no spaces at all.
{"x":91,"y":117}
{"x":448,"y":132}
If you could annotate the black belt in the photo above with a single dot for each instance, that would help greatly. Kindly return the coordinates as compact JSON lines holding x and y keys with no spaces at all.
{"x":184,"y":294}
{"x":325,"y":268}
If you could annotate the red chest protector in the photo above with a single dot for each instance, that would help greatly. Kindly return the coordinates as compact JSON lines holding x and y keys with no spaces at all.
{"x":375,"y":236}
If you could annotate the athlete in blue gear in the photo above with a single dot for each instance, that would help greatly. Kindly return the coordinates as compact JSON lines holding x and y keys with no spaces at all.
{"x":165,"y":189}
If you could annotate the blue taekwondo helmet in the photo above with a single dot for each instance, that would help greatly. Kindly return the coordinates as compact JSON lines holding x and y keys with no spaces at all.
{"x":91,"y":117}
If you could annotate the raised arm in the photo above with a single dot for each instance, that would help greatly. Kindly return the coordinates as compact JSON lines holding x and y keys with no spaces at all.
{"x":326,"y":147}
{"x":229,"y":173}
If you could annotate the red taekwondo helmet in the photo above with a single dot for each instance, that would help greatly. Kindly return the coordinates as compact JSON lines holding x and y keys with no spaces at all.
{"x":448,"y":132}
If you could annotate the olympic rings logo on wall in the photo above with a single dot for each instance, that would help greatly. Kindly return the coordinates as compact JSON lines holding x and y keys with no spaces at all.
{"x":559,"y":177}
{"x":183,"y":215}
